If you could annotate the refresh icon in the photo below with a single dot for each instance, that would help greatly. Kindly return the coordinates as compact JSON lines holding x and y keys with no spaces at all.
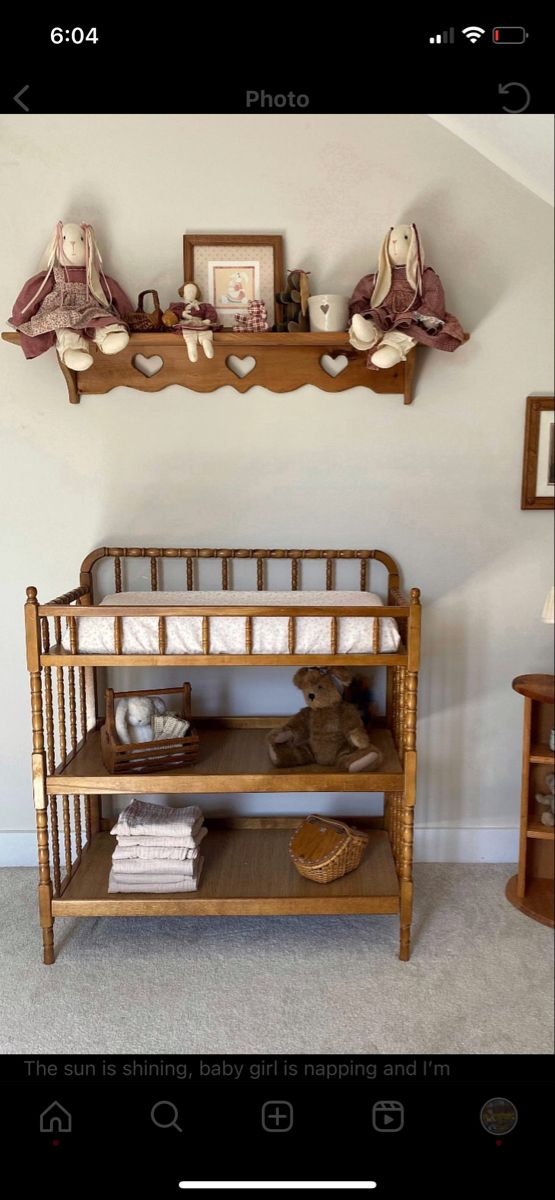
{"x":522,"y":98}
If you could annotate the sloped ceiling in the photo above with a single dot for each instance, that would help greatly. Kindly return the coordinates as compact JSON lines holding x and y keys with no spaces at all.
{"x":521,"y":145}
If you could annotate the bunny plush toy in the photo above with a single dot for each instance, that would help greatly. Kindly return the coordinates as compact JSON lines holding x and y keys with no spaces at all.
{"x":401,"y":304}
{"x":71,"y":302}
{"x":134,"y":718}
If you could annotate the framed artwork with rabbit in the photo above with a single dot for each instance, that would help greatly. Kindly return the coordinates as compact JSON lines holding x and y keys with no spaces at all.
{"x":233,"y":270}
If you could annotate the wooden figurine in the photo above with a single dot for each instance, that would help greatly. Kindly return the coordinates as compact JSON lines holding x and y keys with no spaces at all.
{"x":292,"y":304}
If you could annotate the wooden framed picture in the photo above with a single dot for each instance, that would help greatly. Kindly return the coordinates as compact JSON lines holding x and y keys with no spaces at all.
{"x":231,"y":269}
{"x":538,"y":470}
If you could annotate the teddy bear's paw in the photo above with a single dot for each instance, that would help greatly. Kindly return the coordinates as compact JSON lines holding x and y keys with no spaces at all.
{"x":280,"y":737}
{"x":273,"y":754}
{"x":368,"y":762}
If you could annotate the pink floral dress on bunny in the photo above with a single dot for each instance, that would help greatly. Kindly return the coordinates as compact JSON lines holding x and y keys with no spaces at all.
{"x":67,"y":305}
{"x":72,"y":302}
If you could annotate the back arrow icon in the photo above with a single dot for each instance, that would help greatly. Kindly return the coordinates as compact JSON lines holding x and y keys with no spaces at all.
{"x":18,"y":99}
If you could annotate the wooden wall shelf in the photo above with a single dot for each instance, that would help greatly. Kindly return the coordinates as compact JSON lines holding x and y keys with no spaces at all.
{"x":281,"y":362}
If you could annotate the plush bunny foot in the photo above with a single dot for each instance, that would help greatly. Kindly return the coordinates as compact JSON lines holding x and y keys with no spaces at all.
{"x":386,"y":356}
{"x":205,"y":340}
{"x":363,"y":329}
{"x":362,"y":333}
{"x":368,"y":762}
{"x":111,"y":339}
{"x":73,"y":350}
{"x":77,"y":360}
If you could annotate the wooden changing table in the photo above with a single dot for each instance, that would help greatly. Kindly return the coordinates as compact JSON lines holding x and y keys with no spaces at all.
{"x":247,"y":869}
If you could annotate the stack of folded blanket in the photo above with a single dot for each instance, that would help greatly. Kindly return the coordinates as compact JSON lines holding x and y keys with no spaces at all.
{"x":157,"y":849}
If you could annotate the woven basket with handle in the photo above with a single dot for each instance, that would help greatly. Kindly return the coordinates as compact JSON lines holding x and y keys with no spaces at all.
{"x":323,"y":849}
{"x":145,"y":322}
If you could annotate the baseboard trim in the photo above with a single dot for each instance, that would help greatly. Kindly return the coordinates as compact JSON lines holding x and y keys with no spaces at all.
{"x":466,"y":843}
{"x":432,"y":843}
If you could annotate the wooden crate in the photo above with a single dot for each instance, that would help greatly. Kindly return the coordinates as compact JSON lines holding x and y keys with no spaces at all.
{"x":143,"y":757}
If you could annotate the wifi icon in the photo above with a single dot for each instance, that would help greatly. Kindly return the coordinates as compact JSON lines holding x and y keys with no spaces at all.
{"x":473,"y":32}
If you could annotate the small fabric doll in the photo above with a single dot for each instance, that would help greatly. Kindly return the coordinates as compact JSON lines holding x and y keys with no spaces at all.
{"x":255,"y":320}
{"x":71,"y":302}
{"x":195,"y":320}
{"x":401,"y":304}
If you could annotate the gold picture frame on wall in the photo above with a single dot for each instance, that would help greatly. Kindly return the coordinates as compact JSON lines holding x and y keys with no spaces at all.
{"x":538,"y":469}
{"x":232,"y":269}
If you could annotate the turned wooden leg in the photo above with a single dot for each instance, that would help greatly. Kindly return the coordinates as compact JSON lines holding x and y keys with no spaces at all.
{"x":39,"y":776}
{"x":405,"y":873}
{"x":45,"y":889}
{"x":406,"y":918}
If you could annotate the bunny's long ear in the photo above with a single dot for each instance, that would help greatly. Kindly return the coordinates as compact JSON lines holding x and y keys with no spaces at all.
{"x":415,"y":260}
{"x":53,"y":250}
{"x":383,"y":278}
{"x":121,"y":720}
{"x":51,"y":256}
{"x":93,"y":263}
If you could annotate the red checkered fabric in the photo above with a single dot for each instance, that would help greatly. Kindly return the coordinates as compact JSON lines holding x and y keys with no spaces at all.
{"x":255,"y":320}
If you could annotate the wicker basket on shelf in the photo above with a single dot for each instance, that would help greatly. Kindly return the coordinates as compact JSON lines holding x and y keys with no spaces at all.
{"x":323,"y":849}
{"x":145,"y":322}
{"x":142,"y":757}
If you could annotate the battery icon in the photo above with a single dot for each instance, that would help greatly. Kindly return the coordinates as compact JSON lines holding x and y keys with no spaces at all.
{"x":509,"y":35}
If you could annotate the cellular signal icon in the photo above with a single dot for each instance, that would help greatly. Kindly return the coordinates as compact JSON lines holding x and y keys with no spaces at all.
{"x":439,"y":39}
{"x":473,"y":33}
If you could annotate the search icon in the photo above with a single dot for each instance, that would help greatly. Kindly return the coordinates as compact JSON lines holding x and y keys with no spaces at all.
{"x":164,"y":1124}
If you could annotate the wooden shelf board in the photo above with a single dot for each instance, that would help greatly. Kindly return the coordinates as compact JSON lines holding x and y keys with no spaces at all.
{"x":537,"y":830}
{"x":536,"y":687}
{"x":282,"y":363}
{"x":247,"y":872}
{"x":229,"y":338}
{"x":538,"y":902}
{"x":231,"y":760}
{"x":61,"y":658}
{"x":540,"y":753}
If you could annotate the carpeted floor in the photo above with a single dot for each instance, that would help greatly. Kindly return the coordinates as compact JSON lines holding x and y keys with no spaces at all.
{"x":480,"y":978}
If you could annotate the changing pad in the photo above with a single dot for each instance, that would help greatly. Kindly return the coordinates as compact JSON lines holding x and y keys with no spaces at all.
{"x":270,"y":635}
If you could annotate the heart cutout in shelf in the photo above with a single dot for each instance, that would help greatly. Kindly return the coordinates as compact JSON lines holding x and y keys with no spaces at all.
{"x":148,"y":366}
{"x":334,"y":365}
{"x":240,"y":366}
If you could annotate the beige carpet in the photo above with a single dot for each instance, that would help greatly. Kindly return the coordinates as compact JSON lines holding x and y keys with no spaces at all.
{"x":480,"y":979}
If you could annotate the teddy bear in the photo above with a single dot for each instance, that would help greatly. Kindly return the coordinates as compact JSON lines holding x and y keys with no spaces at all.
{"x":292,"y":304}
{"x":134,"y":716}
{"x":71,"y":303}
{"x":548,"y":817}
{"x":255,"y":320}
{"x":400,"y":304}
{"x":328,"y":731}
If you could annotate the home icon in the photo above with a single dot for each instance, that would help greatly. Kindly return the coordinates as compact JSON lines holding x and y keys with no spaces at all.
{"x":55,"y":1119}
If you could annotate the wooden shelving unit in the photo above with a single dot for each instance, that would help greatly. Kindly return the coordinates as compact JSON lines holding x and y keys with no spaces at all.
{"x":531,"y":890}
{"x":247,"y":872}
{"x":280,"y":362}
{"x":233,"y":757}
{"x":247,"y":867}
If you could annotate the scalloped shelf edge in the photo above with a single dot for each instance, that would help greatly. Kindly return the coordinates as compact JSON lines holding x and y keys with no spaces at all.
{"x":283,"y":363}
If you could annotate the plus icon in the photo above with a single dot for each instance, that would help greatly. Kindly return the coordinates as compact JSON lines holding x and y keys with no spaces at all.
{"x":277,"y":1116}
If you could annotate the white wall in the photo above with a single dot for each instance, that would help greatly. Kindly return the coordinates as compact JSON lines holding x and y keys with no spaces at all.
{"x":437,"y":485}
